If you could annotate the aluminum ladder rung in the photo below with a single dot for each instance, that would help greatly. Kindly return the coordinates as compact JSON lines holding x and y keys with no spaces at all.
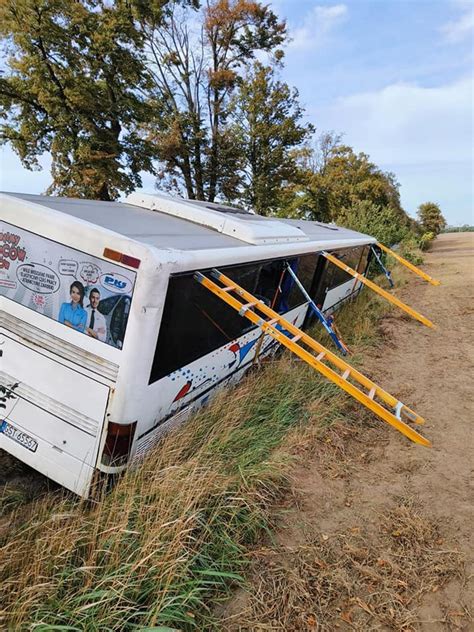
{"x":272,"y":321}
{"x":268,"y":326}
{"x":247,"y":306}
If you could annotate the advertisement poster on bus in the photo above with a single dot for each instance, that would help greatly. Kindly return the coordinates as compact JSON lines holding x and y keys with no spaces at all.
{"x":88,"y":294}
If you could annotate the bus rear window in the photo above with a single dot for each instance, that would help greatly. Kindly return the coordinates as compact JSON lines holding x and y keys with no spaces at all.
{"x":85,"y":293}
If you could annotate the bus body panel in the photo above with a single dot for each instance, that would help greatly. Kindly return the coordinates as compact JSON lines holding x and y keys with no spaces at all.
{"x":195,"y":383}
{"x":340,"y":293}
{"x":71,"y":386}
{"x":55,"y":406}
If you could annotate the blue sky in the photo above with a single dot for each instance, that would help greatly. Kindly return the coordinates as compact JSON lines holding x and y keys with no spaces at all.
{"x":396,"y":77}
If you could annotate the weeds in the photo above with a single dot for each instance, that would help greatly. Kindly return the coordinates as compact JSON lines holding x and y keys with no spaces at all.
{"x":176,"y":532}
{"x":366,"y":578}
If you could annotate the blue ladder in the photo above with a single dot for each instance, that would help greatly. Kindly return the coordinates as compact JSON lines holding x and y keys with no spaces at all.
{"x":327,"y":324}
{"x":384,"y":269}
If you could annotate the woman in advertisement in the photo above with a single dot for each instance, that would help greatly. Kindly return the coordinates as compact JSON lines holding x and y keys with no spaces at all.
{"x":73,"y":314}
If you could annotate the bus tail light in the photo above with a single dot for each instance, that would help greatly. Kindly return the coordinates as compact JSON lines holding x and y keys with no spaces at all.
{"x":130,"y":261}
{"x":114,"y":255}
{"x":118,"y":443}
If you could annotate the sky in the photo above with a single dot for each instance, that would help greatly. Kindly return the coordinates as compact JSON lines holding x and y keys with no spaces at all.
{"x":394,"y":76}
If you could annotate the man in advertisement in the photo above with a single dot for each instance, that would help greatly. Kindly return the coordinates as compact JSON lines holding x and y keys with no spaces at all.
{"x":96,"y":325}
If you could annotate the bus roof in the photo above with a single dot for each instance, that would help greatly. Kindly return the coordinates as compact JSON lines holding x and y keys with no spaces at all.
{"x":168,"y":222}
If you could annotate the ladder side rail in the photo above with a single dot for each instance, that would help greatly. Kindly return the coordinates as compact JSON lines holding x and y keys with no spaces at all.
{"x":353,"y":390}
{"x":329,"y":373}
{"x":317,"y":311}
{"x":409,"y":265}
{"x":387,"y":272}
{"x":389,"y":399}
{"x":373,"y":286}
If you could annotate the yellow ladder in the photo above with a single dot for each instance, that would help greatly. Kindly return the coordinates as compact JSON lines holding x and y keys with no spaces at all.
{"x":409,"y":265}
{"x":373,"y":286}
{"x":325,"y":362}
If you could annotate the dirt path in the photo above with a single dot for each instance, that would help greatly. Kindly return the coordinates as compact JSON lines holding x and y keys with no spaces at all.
{"x":370,"y":540}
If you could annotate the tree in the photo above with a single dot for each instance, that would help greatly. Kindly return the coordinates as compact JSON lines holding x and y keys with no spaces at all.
{"x":382,"y":222}
{"x":349,"y":178}
{"x":75,"y":86}
{"x":268,"y":121}
{"x":198,"y":61}
{"x":338,"y":185}
{"x":431,"y":218}
{"x":309,"y":196}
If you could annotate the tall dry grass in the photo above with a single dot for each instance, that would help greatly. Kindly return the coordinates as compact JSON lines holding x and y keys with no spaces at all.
{"x":368,"y":577}
{"x":173,"y":536}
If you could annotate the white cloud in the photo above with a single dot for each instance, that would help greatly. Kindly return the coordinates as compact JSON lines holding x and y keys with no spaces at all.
{"x":406,"y":123}
{"x":462,"y":28}
{"x":317,"y":25}
{"x":423,"y":134}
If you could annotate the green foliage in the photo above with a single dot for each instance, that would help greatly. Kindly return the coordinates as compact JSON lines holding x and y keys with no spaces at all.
{"x":410,"y":248}
{"x":268,"y":119}
{"x":195,"y":77}
{"x":431,"y":218}
{"x":426,"y":240}
{"x":350,"y":178}
{"x":73,"y":87}
{"x":382,"y":222}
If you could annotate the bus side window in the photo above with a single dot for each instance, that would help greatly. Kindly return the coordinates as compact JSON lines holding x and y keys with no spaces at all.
{"x":334,"y":275}
{"x":196,"y":322}
{"x":329,"y":276}
{"x":304,"y":267}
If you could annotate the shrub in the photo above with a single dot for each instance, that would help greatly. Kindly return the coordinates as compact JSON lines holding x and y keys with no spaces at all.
{"x":426,"y":240}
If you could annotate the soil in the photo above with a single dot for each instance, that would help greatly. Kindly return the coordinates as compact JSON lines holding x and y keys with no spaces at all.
{"x":353,"y":490}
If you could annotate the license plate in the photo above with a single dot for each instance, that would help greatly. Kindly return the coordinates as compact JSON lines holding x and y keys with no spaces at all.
{"x":17,"y":435}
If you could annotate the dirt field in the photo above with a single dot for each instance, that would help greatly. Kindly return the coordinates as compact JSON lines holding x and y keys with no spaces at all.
{"x":378,"y":534}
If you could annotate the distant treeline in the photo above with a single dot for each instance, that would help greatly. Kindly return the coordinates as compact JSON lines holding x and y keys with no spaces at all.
{"x":189,"y":92}
{"x":459,"y":229}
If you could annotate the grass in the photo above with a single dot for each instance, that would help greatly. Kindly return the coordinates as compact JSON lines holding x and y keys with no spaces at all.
{"x":362,"y":578}
{"x":174,"y":536}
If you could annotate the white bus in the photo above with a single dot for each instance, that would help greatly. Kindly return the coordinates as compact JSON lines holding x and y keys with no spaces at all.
{"x":106,"y":339}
